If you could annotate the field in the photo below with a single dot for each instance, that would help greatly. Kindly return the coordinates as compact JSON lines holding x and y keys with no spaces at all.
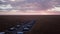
{"x":45,"y":24}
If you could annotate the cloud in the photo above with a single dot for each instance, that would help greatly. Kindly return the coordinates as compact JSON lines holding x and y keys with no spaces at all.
{"x":33,"y":4}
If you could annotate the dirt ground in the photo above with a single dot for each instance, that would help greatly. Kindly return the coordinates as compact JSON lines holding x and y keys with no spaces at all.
{"x":45,"y":24}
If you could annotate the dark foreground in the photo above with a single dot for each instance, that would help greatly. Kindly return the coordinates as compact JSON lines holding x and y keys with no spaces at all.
{"x":45,"y":24}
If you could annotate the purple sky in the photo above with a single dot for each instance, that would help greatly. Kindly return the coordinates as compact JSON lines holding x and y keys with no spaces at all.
{"x":32,"y":4}
{"x":18,"y":7}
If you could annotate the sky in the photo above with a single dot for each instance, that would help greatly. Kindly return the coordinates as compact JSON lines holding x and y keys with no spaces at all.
{"x":30,"y":5}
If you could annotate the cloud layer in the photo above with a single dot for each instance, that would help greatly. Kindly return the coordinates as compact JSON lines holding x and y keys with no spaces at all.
{"x":32,"y":4}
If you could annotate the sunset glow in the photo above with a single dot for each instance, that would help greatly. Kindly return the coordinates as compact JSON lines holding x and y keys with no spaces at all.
{"x":12,"y":0}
